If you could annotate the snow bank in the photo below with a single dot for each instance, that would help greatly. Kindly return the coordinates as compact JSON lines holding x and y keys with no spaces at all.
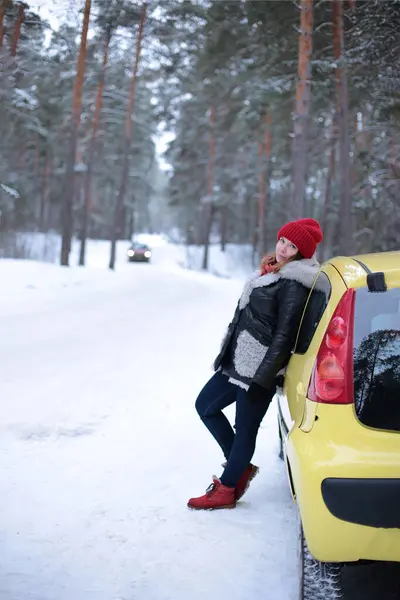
{"x":236,"y":262}
{"x":41,"y":270}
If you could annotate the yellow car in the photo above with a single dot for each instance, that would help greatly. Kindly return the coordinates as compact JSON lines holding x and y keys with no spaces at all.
{"x":339,"y":420}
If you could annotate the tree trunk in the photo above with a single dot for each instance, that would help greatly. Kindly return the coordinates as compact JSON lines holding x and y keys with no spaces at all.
{"x":303,"y":96}
{"x":393,"y":158}
{"x":128,"y":141}
{"x":2,"y":12}
{"x":37,"y":179}
{"x":208,"y":223}
{"x":211,"y":153}
{"x":328,"y":189}
{"x":92,"y":151}
{"x":36,"y":156}
{"x":261,"y":201}
{"x":268,"y":151}
{"x":43,"y":196}
{"x":69,"y":193}
{"x":132,"y":221}
{"x":264,"y":159}
{"x":224,"y":226}
{"x":344,"y":220}
{"x":17,"y":30}
{"x":252,"y":211}
{"x":209,"y":207}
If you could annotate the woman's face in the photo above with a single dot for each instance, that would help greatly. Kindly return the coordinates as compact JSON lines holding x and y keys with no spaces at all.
{"x":285,"y":249}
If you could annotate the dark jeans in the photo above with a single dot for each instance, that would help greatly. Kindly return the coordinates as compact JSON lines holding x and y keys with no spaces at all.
{"x":238,"y":448}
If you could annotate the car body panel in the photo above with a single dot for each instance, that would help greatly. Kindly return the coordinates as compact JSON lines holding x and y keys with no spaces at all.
{"x":354,"y":274}
{"x":323,"y":441}
{"x":340,"y":446}
{"x":295,"y":386}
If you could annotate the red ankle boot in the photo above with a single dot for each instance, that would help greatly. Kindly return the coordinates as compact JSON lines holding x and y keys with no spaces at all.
{"x":216,"y":496}
{"x":244,"y":482}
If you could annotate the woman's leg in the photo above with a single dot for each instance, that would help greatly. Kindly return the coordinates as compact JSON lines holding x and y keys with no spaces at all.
{"x":216,"y":395}
{"x":249,"y":415}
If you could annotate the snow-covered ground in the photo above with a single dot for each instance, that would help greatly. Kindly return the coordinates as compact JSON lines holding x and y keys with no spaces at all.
{"x":101,"y":446}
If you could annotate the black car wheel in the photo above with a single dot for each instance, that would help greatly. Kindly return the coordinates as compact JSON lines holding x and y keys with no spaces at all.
{"x":318,"y":580}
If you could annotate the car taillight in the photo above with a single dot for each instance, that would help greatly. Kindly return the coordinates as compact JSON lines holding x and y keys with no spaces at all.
{"x":336,"y":333}
{"x":332,"y":375}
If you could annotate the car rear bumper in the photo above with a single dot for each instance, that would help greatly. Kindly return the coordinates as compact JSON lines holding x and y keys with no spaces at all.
{"x":371,"y":502}
{"x":346,"y":480}
{"x":138,"y":259}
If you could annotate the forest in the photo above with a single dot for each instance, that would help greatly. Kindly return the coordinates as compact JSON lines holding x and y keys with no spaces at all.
{"x":273,"y":110}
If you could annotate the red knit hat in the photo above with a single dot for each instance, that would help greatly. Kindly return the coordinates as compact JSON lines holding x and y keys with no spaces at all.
{"x":304,"y":233}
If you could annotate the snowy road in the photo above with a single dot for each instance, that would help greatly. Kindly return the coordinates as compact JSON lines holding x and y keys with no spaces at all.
{"x":101,"y":449}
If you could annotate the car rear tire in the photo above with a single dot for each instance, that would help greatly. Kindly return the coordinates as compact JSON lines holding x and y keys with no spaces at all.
{"x":318,"y":580}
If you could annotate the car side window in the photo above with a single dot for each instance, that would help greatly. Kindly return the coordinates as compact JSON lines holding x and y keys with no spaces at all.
{"x":316,"y":304}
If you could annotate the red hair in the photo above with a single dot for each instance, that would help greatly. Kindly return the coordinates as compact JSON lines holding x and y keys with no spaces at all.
{"x":269,"y":264}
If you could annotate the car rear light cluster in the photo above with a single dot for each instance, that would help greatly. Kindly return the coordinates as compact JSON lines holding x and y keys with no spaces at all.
{"x":332,"y":375}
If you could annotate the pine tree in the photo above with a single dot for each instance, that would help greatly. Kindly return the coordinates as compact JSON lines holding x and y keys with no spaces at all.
{"x":69,"y":194}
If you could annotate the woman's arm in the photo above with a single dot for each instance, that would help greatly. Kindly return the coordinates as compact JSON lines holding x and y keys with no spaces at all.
{"x":292,"y":299}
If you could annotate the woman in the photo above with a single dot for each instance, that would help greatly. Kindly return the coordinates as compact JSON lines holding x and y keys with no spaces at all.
{"x":257,"y":346}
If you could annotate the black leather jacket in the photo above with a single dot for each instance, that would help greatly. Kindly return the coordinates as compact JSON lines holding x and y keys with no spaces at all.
{"x":262,"y":333}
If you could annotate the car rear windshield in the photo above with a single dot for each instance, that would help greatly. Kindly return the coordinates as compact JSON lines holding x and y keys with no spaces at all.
{"x":377,"y":358}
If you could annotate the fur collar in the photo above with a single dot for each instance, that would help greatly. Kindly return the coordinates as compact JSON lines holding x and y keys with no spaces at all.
{"x":304,"y":271}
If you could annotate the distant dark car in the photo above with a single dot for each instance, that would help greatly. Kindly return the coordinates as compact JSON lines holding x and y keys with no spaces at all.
{"x":139,"y":253}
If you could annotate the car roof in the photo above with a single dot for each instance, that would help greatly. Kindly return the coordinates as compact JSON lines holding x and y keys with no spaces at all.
{"x":354,"y":274}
